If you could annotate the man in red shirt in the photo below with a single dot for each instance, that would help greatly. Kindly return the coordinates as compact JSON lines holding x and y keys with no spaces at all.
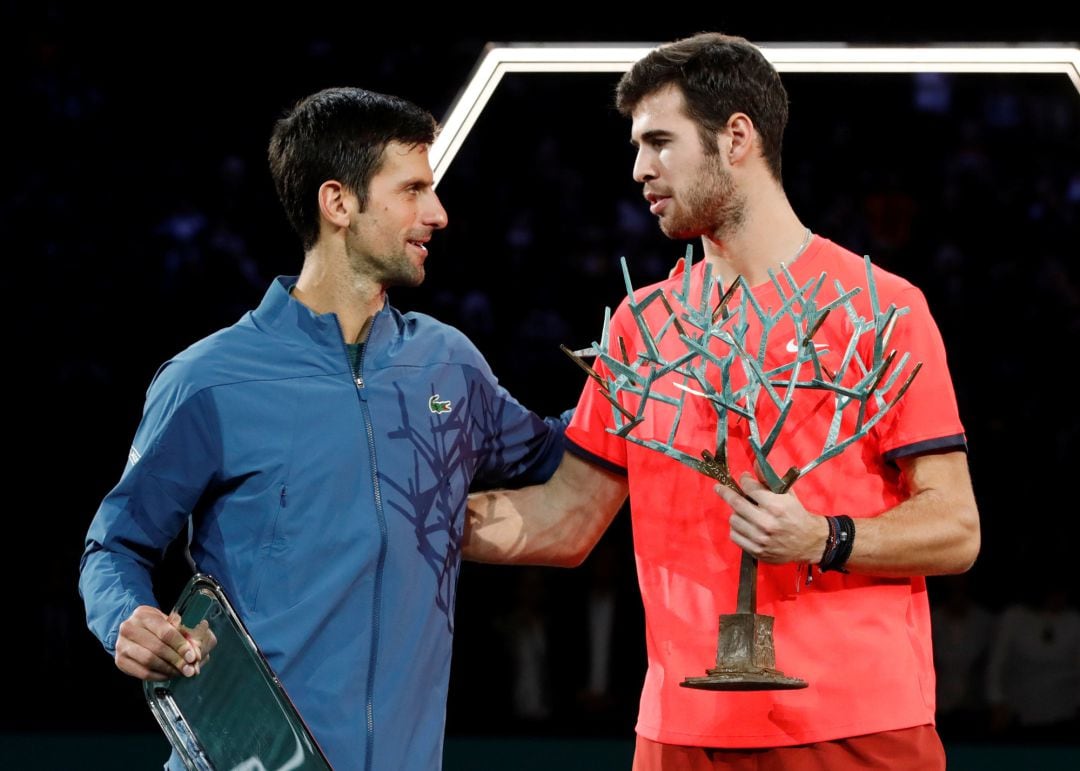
{"x":708,"y":115}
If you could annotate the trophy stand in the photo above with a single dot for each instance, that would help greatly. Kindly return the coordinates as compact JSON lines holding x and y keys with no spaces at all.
{"x":745,"y":651}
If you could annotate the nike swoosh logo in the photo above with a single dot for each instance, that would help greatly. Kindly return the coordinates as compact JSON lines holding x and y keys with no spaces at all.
{"x":793,"y":348}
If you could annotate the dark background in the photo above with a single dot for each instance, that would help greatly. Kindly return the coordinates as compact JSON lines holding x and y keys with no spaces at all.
{"x":139,"y":215}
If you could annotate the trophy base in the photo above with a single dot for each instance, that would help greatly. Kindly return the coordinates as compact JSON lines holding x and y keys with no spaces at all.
{"x":764,"y":680}
{"x":745,"y":658}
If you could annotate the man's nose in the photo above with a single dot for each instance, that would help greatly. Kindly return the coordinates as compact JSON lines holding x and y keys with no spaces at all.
{"x":434,"y":214}
{"x":644,"y":166}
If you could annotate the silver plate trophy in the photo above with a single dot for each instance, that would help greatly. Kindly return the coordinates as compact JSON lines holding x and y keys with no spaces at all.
{"x":234,"y":715}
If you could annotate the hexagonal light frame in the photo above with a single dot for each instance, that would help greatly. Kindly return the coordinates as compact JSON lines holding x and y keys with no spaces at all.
{"x":497,"y":60}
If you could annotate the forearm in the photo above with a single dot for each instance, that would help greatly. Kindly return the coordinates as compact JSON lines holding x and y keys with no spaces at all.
{"x":516,"y":526}
{"x":556,"y":523}
{"x":934,"y":532}
{"x":928,"y":534}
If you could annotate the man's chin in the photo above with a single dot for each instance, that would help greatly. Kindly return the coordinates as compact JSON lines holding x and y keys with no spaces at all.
{"x":409,"y":280}
{"x":414,"y":278}
{"x":676,"y":233}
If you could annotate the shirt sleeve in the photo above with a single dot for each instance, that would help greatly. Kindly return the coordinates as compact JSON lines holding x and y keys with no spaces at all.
{"x":588,"y":435}
{"x":926,"y":419}
{"x":171,"y":461}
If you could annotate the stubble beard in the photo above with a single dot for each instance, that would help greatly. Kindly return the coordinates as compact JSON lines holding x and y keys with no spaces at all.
{"x":394,"y":270}
{"x":386,"y":270}
{"x":711,"y":205}
{"x":399,"y":270}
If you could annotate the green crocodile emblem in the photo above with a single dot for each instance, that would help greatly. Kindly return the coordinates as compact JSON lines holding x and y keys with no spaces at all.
{"x":438,"y":406}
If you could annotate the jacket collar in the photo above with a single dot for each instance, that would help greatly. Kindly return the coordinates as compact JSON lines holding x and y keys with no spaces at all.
{"x":286,"y":315}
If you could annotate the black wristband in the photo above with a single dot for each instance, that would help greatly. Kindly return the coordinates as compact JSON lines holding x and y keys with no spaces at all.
{"x":831,"y":542}
{"x":838,"y":544}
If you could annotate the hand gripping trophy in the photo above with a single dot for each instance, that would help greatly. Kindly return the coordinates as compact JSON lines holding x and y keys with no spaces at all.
{"x":695,"y":353}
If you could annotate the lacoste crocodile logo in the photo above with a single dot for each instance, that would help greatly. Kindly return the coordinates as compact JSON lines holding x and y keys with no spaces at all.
{"x":437,"y":406}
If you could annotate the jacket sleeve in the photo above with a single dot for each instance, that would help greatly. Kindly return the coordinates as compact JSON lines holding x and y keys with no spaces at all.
{"x":172,"y":460}
{"x":518,"y":447}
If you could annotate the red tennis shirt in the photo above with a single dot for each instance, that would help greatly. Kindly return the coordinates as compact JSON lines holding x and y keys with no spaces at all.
{"x":861,"y":642}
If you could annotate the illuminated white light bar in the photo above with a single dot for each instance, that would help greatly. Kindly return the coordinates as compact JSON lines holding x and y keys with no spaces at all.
{"x":497,"y":60}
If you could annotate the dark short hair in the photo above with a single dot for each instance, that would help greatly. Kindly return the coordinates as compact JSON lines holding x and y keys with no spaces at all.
{"x":718,"y":75}
{"x":338,"y":133}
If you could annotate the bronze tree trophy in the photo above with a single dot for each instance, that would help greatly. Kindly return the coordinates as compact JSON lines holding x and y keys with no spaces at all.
{"x":716,"y":337}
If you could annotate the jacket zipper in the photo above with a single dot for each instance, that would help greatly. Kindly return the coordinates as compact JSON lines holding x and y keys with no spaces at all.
{"x":376,"y":605}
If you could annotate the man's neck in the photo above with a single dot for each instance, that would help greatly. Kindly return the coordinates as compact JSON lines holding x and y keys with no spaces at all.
{"x":327,"y":286}
{"x":767,"y":235}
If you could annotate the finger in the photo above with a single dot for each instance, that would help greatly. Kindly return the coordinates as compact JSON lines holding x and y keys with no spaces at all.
{"x":210,"y":642}
{"x":750,"y":484}
{"x":194,"y":640}
{"x":190,"y":642}
{"x":729,"y":496}
{"x":202,"y":637}
{"x":181,"y":650}
{"x":140,"y":653}
{"x":132,"y":659}
{"x":749,"y":511}
{"x":743,"y":531}
{"x":151,"y":629}
{"x":743,"y":542}
{"x":166,"y":644}
{"x":748,"y":526}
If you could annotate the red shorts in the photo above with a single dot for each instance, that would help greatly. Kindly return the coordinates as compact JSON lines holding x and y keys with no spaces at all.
{"x":914,"y":749}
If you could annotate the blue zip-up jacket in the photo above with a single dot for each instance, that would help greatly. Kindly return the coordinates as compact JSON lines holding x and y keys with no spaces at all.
{"x":329,"y":507}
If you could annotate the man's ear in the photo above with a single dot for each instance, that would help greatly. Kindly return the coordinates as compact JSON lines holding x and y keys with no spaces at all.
{"x":336,"y":203}
{"x":740,"y":132}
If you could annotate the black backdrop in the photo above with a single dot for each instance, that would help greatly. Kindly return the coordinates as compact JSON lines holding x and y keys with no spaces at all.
{"x":138,"y":216}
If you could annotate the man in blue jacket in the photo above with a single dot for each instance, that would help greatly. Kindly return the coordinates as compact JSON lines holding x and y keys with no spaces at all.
{"x":322,"y":449}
